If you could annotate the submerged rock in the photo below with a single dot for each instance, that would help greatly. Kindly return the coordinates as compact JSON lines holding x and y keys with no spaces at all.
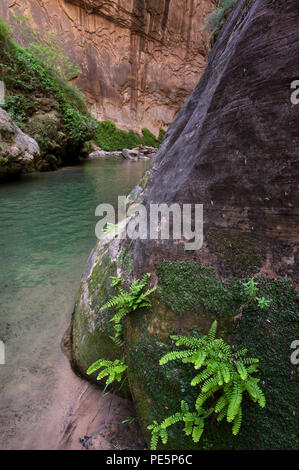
{"x":18,"y":151}
{"x":234,"y":148}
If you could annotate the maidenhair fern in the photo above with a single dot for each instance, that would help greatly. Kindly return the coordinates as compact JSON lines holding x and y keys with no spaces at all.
{"x":193,"y":424}
{"x":125,"y":302}
{"x":111,"y":370}
{"x":224,"y":377}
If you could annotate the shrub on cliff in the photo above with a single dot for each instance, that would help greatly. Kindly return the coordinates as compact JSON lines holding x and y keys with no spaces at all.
{"x":109,"y":137}
{"x":42,"y":102}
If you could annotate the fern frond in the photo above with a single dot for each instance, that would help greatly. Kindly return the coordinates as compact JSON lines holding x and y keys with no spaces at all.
{"x":212,"y":331}
{"x":242,"y":370}
{"x":225,"y":372}
{"x":237,"y":422}
{"x":154,"y":441}
{"x":170,"y":420}
{"x":173,"y":355}
{"x":255,"y":392}
{"x":221,"y":415}
{"x":120,"y":299}
{"x":190,"y":342}
{"x":164,"y":436}
{"x":209,"y":384}
{"x":116,"y":280}
{"x":201,"y":377}
{"x":203,"y":397}
{"x":103,"y":374}
{"x":221,"y":404}
{"x":199,"y":359}
{"x":235,"y":400}
{"x":97,"y":365}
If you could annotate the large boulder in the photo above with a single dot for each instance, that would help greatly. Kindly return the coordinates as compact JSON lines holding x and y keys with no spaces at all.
{"x":234,"y":148}
{"x":18,"y":151}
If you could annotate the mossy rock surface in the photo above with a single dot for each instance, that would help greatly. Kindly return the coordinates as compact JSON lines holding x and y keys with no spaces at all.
{"x":157,"y":390}
{"x":92,"y":329}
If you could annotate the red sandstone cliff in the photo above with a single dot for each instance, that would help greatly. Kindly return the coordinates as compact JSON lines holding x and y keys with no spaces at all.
{"x":140,"y":58}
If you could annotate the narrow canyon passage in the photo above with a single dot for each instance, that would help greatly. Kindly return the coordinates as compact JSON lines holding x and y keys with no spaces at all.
{"x":46,"y":233}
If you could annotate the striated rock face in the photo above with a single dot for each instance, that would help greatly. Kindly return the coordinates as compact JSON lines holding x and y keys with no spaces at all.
{"x":140,"y":58}
{"x":234,"y":148}
{"x":18,"y":151}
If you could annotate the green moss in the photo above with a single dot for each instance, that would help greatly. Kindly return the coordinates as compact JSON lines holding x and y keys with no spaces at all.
{"x":156,"y":390}
{"x":127,"y":263}
{"x":6,"y":134}
{"x":266,"y":333}
{"x":92,"y":329}
{"x":179,"y":284}
{"x":237,"y":254}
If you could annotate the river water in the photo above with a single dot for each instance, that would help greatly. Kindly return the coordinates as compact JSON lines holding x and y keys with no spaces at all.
{"x":47,"y":226}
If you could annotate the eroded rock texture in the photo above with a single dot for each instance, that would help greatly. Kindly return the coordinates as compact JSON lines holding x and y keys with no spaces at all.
{"x":140,"y":58}
{"x":234,"y":148}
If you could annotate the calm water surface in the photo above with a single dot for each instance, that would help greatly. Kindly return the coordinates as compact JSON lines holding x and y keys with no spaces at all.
{"x":47,"y":226}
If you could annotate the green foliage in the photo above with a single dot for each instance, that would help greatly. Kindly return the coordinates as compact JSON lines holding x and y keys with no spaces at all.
{"x":148,"y":138}
{"x":26,"y":77}
{"x":162,"y":133}
{"x":112,"y":370}
{"x":109,"y":137}
{"x":5,"y":32}
{"x":215,"y":19}
{"x":251,"y":290}
{"x":46,"y":47}
{"x":267,"y":334}
{"x":110,"y":227}
{"x":125,"y":302}
{"x":19,"y":107}
{"x":193,"y":425}
{"x":224,"y":377}
{"x":116,"y":280}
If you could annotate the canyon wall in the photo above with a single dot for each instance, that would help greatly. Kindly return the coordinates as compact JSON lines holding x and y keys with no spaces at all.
{"x":140,"y":58}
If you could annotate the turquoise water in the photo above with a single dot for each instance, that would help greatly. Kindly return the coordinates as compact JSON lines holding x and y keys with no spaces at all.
{"x":47,"y":227}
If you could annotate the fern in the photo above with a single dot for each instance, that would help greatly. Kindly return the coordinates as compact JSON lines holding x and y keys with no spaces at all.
{"x":116,"y":280}
{"x":114,"y":370}
{"x":125,"y":302}
{"x":223,"y":379}
{"x":193,"y":424}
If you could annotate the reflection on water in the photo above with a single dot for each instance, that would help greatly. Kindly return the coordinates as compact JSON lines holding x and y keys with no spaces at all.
{"x":47,"y":227}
